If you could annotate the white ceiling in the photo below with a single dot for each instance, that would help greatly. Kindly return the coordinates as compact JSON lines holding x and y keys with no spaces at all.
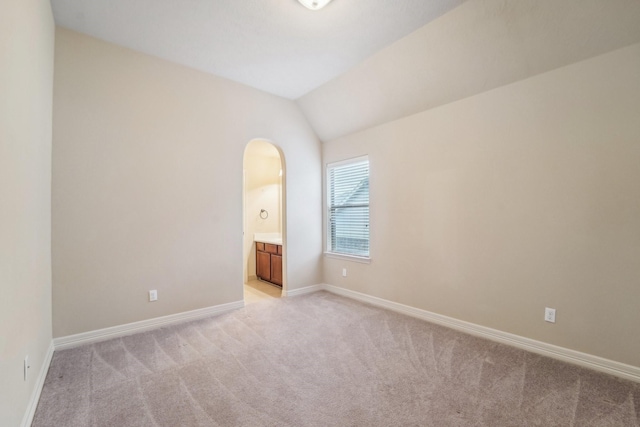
{"x":277,"y":46}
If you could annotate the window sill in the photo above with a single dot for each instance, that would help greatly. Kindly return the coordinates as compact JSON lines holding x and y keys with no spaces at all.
{"x":360,"y":259}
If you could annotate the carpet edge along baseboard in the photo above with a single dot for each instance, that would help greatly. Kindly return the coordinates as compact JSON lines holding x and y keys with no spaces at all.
{"x":586,"y":360}
{"x":597,"y":363}
{"x":89,"y":337}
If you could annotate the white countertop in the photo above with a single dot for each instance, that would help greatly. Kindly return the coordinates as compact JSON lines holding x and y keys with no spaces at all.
{"x":271,"y":238}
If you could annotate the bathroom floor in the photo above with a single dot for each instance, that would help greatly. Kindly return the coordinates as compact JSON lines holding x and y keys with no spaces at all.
{"x":256,"y":291}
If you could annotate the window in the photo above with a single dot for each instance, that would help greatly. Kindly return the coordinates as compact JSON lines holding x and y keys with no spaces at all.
{"x":348,"y":207}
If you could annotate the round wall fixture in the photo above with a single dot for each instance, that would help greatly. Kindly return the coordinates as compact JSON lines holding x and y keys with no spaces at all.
{"x":314,"y":4}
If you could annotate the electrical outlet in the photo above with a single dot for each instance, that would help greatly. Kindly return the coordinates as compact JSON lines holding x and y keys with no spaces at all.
{"x":550,"y":315}
{"x":344,"y":272}
{"x":153,"y":295}
{"x":26,"y":367}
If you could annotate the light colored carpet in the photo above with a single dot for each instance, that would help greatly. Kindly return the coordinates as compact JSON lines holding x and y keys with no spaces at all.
{"x":323,"y":360}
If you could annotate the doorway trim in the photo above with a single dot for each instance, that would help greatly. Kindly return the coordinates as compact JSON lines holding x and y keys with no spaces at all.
{"x":248,"y":246}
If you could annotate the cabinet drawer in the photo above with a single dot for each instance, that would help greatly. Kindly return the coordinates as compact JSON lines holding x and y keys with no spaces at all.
{"x":272,"y":249}
{"x":260,"y":246}
{"x":279,"y":249}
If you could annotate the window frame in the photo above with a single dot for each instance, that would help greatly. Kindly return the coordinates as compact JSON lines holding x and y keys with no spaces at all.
{"x":329,"y":250}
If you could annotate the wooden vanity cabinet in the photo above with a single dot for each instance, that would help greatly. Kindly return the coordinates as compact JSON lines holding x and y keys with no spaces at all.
{"x":276,"y":269}
{"x":269,"y":263}
{"x":263,"y":265}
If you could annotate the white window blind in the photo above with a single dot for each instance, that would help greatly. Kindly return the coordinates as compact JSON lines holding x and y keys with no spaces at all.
{"x":348,"y":205}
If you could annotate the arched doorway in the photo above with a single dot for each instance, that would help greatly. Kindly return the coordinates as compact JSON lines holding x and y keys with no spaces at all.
{"x":264,"y":258}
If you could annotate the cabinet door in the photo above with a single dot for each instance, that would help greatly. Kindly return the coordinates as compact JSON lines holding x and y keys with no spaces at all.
{"x":276,"y":269}
{"x":263,"y":265}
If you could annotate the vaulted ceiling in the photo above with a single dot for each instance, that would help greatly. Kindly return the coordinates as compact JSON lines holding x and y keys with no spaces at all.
{"x":360,"y":63}
{"x":479,"y":46}
{"x":278,"y":46}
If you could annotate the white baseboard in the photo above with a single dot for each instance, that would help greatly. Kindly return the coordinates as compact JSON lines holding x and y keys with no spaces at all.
{"x":582,"y":359}
{"x":578,"y":358}
{"x":141,"y":326}
{"x":302,"y":291}
{"x":37,"y":389}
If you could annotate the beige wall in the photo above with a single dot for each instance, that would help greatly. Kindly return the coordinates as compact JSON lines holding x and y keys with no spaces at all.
{"x":147,"y":185}
{"x":262,"y":190}
{"x":26,"y":85}
{"x":493,"y":207}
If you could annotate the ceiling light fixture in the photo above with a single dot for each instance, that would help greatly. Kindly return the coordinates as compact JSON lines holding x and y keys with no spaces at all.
{"x":314,"y":4}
